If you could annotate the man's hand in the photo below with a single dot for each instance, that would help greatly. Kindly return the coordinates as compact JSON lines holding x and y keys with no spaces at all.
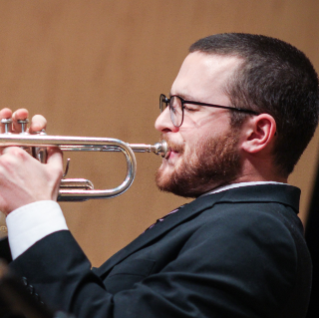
{"x":23,"y":179}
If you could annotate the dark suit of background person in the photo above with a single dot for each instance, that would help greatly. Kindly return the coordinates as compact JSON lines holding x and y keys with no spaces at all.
{"x":238,"y":252}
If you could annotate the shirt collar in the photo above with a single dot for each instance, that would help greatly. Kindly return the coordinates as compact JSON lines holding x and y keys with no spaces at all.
{"x":241,"y":184}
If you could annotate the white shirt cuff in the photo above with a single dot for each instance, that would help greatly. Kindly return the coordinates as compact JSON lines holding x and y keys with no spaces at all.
{"x":32,"y":222}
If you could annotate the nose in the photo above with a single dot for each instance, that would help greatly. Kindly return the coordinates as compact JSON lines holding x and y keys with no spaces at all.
{"x":164,"y":123}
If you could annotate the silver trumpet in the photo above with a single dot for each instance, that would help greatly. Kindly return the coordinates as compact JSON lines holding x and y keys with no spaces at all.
{"x":78,"y":189}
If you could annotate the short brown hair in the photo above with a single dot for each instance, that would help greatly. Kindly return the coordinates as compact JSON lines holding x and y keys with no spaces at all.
{"x":274,"y":78}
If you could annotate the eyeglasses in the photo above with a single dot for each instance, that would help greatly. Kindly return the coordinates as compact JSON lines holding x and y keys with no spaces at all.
{"x":176,"y":108}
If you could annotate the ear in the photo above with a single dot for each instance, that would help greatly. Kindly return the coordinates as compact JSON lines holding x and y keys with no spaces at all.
{"x":259,"y":133}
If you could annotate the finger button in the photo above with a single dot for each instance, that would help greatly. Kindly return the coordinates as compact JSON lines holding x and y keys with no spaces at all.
{"x":7,"y":125}
{"x":24,"y":125}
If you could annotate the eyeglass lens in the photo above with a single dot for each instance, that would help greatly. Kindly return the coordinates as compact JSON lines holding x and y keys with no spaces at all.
{"x":175,"y":109}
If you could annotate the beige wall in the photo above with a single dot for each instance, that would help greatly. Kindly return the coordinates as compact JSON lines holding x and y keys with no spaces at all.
{"x":96,"y":68}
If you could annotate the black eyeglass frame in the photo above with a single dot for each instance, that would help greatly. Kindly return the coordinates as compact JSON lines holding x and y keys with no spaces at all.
{"x":164,"y":100}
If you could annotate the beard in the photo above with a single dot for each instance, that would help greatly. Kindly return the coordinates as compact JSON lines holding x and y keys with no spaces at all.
{"x":213,"y":162}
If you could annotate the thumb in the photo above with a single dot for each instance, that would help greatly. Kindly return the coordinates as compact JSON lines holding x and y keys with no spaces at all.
{"x":55,"y":168}
{"x":55,"y":159}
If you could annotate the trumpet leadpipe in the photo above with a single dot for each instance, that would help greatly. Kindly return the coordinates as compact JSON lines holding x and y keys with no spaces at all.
{"x":76,"y":143}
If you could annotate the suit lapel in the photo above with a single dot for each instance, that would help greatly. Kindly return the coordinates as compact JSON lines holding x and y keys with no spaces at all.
{"x":185,"y":213}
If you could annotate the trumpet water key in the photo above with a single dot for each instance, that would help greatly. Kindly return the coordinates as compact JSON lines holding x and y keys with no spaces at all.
{"x":78,"y":189}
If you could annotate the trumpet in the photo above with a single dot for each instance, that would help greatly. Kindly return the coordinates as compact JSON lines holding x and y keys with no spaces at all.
{"x":78,"y":189}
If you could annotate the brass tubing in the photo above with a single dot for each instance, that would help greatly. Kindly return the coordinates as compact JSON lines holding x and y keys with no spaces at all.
{"x":81,"y":191}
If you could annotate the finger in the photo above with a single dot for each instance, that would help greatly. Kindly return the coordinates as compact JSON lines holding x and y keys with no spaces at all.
{"x":15,"y":151}
{"x":20,"y":114}
{"x":55,"y":159}
{"x":5,"y":113}
{"x":38,"y":122}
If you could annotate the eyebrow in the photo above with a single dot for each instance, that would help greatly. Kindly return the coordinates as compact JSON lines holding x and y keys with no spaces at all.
{"x":184,"y":96}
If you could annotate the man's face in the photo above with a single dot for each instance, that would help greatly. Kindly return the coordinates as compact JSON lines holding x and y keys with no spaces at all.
{"x":203,"y":152}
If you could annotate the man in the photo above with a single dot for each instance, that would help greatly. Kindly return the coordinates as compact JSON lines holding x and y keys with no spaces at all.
{"x":240,"y":113}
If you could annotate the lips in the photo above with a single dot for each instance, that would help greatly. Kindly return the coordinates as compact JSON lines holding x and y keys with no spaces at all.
{"x":174,"y":149}
{"x":172,"y":154}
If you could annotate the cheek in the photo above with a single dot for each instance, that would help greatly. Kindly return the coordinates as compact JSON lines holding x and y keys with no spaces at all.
{"x":192,"y":150}
{"x":195,"y":138}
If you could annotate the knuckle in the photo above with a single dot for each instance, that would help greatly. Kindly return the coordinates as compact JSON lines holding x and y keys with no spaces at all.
{"x":6,"y":159}
{"x":17,"y":152}
{"x":12,"y":156}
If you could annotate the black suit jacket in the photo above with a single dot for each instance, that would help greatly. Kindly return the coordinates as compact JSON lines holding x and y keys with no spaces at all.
{"x":238,"y":253}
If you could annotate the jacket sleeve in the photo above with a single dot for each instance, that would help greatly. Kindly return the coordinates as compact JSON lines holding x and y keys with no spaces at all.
{"x":235,"y":266}
{"x":5,"y":252}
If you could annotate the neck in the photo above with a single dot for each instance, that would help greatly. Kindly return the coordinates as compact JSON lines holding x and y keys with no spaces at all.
{"x":263,"y":171}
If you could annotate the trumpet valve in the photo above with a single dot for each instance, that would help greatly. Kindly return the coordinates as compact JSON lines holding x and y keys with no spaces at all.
{"x":40,"y":153}
{"x":24,"y":124}
{"x":7,"y":124}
